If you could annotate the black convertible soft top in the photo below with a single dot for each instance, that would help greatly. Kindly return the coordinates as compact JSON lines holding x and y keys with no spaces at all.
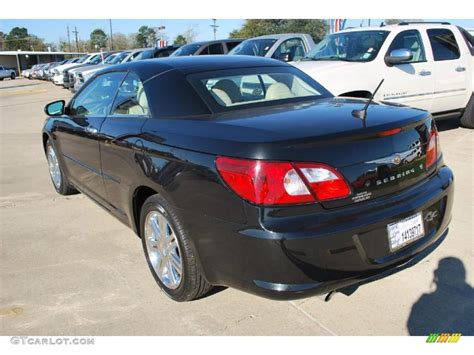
{"x":194,"y":64}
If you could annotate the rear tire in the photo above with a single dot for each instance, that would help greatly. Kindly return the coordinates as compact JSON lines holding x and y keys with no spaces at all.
{"x":168,"y":250}
{"x":58,"y":178}
{"x":12,"y":76}
{"x":467,"y":119}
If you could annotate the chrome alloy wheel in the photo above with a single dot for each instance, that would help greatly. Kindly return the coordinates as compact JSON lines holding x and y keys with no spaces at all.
{"x":163,"y":249}
{"x":53,"y":164}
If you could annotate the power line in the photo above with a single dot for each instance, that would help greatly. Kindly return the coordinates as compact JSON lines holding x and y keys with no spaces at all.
{"x":214,"y":27}
{"x":111,"y":36}
{"x":75,"y":34}
{"x":68,"y":38}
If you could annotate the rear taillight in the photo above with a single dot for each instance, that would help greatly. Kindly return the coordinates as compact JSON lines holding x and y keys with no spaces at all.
{"x":281,"y":183}
{"x":325,"y":182}
{"x":433,"y":150}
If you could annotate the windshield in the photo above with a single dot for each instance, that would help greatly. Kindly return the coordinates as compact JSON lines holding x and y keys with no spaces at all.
{"x":119,"y":57}
{"x":233,"y":89}
{"x":256,"y":47}
{"x":96,"y":59}
{"x":358,"y":46}
{"x":82,"y":59}
{"x":110,"y":58}
{"x":146,"y":54}
{"x":188,"y":49}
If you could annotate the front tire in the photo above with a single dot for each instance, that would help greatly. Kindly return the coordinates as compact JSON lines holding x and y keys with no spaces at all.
{"x":12,"y":76}
{"x":59,"y":179}
{"x":169,"y":253}
{"x":467,"y":119}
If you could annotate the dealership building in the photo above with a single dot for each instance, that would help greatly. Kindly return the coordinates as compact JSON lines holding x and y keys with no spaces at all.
{"x":21,"y":60}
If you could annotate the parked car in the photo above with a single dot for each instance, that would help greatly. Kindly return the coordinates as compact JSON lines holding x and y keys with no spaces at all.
{"x":222,"y":46}
{"x":58,"y":78}
{"x":156,"y":53}
{"x":83,"y":74}
{"x":36,"y":72}
{"x":287,"y":47}
{"x":49,"y":73}
{"x":251,"y":187}
{"x":425,"y":65}
{"x":69,"y":76}
{"x":27,"y":73}
{"x":7,"y":73}
{"x":133,"y":54}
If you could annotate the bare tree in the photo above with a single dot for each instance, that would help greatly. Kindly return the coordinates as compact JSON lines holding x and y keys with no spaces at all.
{"x":190,"y":35}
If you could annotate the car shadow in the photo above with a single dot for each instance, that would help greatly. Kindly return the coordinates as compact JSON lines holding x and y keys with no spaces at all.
{"x":447,"y":125}
{"x":18,"y":86}
{"x":447,"y":309}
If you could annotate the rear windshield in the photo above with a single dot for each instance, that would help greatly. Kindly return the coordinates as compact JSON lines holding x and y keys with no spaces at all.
{"x":188,"y":49}
{"x":256,"y":47}
{"x":231,"y":89}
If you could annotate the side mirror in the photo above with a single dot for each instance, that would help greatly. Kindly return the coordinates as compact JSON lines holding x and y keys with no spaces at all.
{"x":399,"y":56}
{"x":55,"y":108}
{"x":285,"y":57}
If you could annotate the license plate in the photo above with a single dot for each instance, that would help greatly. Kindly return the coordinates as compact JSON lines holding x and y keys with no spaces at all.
{"x":405,"y":231}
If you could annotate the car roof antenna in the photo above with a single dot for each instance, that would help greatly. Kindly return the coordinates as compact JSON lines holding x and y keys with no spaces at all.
{"x":362,"y":114}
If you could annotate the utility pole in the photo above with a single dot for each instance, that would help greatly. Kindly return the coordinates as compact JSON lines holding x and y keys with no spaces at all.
{"x":68,"y":39}
{"x":111,"y":36}
{"x":75,"y":34}
{"x":214,"y":27}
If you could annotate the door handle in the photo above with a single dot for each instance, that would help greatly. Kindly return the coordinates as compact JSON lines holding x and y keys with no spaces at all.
{"x":460,"y":69}
{"x":424,"y":73}
{"x":91,"y":130}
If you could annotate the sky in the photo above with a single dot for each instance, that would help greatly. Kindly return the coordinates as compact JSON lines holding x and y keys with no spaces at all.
{"x":52,"y":30}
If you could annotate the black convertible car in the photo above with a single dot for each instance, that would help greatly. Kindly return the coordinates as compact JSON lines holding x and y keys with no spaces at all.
{"x":245,"y":172}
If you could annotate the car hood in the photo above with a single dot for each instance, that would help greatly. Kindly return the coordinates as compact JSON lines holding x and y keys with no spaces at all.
{"x":60,"y":68}
{"x":311,"y":67}
{"x":81,"y":68}
{"x":288,"y":132}
{"x":93,"y":68}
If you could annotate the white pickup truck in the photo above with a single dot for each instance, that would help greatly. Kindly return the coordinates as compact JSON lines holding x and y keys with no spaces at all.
{"x":6,"y":73}
{"x":424,"y":65}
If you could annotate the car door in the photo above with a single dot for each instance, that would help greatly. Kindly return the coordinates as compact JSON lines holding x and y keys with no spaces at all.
{"x":412,"y":82}
{"x":293,"y":47}
{"x":79,"y":135}
{"x":119,"y":149}
{"x":450,"y":71}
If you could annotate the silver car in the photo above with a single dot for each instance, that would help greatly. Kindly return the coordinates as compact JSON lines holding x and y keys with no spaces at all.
{"x":288,"y":47}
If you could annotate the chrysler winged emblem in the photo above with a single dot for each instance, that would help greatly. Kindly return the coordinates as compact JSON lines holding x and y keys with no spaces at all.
{"x":397,"y":158}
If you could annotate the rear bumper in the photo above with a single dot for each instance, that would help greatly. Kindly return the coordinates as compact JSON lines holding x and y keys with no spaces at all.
{"x":288,"y":253}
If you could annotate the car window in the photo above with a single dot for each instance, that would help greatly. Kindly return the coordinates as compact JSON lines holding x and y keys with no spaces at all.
{"x":188,"y":49}
{"x":232,"y":45}
{"x":239,"y":90}
{"x":412,"y":41}
{"x":147,"y":54}
{"x":215,"y":48}
{"x":96,"y":98}
{"x":131,"y":98}
{"x":353,"y":46}
{"x":294,"y":47}
{"x":257,"y":47}
{"x":164,"y":53}
{"x":443,"y":44}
